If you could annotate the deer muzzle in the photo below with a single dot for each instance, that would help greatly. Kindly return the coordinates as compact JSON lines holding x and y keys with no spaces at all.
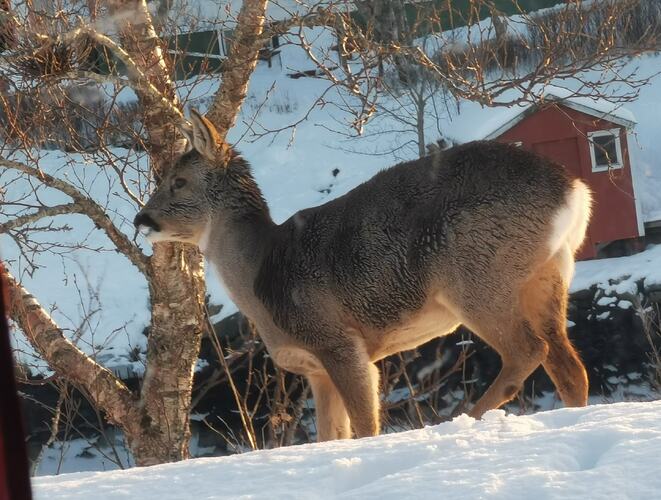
{"x":145,"y":223}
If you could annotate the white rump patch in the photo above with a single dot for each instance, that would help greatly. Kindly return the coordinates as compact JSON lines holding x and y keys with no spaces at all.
{"x":569,"y":226}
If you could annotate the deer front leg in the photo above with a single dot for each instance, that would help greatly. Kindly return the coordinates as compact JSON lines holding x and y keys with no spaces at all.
{"x":357,"y":381}
{"x":331,"y":414}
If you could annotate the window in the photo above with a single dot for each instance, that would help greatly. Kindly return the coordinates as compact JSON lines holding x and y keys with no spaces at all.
{"x":192,"y":54}
{"x":605,"y":150}
{"x":202,"y":52}
{"x":198,"y":52}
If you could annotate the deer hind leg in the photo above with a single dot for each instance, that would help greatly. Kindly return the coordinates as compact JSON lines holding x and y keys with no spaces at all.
{"x":546,"y":299}
{"x":332,"y":417}
{"x":565,"y":368}
{"x":521,"y":352}
{"x":357,"y":381}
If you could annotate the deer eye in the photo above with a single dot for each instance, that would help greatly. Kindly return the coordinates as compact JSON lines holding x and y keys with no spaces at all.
{"x":179,"y":182}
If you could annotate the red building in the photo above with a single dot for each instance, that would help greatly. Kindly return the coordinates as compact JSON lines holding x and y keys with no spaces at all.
{"x":591,"y":139}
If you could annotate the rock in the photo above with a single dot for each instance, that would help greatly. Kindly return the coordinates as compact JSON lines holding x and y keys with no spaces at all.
{"x":582,"y":295}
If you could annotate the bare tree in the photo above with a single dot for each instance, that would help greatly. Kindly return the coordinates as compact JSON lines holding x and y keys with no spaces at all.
{"x":492,"y":62}
{"x":155,"y":421}
{"x":412,"y":102}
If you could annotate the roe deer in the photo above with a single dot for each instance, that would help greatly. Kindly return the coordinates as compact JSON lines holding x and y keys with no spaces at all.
{"x":483,"y":234}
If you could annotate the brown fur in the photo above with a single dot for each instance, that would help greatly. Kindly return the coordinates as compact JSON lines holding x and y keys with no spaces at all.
{"x":483,"y":235}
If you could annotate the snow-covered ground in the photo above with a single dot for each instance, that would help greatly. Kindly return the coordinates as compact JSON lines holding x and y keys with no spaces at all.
{"x":619,"y":275}
{"x":597,"y":452}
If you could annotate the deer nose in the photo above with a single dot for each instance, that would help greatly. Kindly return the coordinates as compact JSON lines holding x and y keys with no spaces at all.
{"x":144,"y":219}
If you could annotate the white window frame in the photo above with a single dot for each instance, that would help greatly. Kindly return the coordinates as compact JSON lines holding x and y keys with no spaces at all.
{"x":222,"y":48}
{"x":613,"y":132}
{"x":222,"y":43}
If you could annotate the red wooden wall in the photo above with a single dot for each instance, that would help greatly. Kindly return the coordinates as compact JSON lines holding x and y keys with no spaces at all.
{"x":560,"y":133}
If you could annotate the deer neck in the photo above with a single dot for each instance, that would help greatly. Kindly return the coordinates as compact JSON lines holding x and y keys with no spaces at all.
{"x":236,"y":241}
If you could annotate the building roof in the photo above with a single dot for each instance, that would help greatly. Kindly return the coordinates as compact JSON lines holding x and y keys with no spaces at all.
{"x":475,"y":122}
{"x":598,"y":108}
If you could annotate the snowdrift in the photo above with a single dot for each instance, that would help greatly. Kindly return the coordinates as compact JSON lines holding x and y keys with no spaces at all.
{"x":603,"y":451}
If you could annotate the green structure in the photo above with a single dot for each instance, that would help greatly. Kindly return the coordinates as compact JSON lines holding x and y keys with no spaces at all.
{"x":204,"y":51}
{"x":443,"y":15}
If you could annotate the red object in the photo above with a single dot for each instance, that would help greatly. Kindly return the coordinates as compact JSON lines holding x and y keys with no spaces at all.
{"x":14,"y":471}
{"x":561,"y":133}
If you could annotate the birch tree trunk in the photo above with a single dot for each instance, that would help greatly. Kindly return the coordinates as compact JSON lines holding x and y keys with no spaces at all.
{"x":176,"y":275}
{"x":176,"y":272}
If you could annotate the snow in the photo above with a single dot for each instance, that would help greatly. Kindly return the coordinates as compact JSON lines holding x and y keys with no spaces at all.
{"x":602,"y":451}
{"x":619,"y":275}
{"x":602,"y":106}
{"x":467,"y":125}
{"x":646,"y":148}
{"x":625,"y":304}
{"x":83,"y":455}
{"x":606,"y":301}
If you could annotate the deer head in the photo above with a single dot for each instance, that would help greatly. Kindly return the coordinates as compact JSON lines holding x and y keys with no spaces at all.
{"x":209,"y":180}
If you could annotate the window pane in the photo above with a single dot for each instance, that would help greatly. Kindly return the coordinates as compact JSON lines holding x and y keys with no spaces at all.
{"x":605,"y":152}
{"x":202,"y":42}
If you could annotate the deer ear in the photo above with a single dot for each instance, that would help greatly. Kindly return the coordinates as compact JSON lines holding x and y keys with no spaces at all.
{"x":203,"y":136}
{"x":186,"y":129}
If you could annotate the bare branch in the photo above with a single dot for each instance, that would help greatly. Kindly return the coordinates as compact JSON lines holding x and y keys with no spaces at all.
{"x":323,"y":16}
{"x":68,"y":208}
{"x":143,"y":46}
{"x":66,"y":359}
{"x":139,"y":78}
{"x":90,"y":208}
{"x":239,"y":66}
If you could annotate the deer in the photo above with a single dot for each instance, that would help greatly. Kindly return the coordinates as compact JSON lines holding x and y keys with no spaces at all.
{"x":483,"y":234}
